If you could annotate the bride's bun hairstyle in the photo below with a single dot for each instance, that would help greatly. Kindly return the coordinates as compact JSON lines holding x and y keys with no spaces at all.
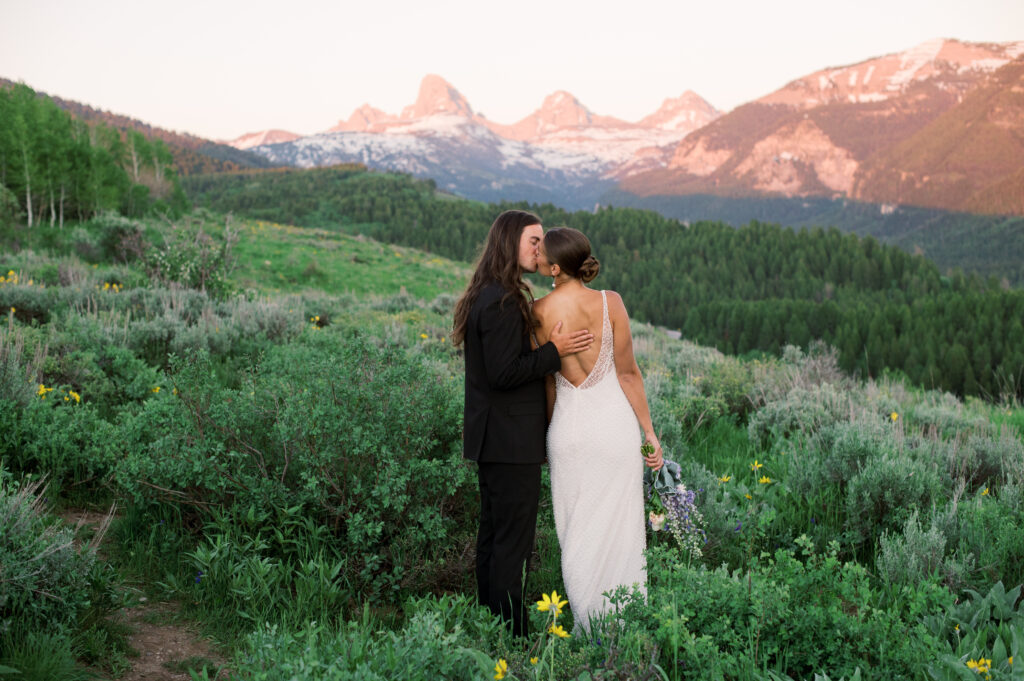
{"x":570,"y":249}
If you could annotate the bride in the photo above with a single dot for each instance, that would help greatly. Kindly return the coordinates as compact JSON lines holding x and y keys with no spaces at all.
{"x":597,"y":408}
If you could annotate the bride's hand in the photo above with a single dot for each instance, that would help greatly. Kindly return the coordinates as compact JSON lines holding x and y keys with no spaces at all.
{"x":656,"y":459}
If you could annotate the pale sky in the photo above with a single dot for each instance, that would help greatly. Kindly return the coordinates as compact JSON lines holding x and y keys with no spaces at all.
{"x":219,"y":69}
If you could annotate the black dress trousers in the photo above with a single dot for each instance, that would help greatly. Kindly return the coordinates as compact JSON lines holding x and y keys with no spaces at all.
{"x":509,"y":495}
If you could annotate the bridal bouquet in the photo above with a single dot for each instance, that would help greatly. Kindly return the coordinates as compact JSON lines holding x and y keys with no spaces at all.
{"x":680,"y":514}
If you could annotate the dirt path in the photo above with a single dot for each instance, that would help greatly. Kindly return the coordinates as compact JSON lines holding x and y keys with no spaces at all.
{"x":166,"y":647}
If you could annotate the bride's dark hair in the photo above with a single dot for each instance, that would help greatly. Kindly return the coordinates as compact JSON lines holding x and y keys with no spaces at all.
{"x":570,"y":249}
{"x":499,"y":262}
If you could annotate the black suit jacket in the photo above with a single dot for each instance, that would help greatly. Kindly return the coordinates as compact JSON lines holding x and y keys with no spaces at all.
{"x":505,"y":415}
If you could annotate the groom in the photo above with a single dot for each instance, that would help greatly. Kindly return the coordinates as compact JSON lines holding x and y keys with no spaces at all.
{"x":505,"y":414}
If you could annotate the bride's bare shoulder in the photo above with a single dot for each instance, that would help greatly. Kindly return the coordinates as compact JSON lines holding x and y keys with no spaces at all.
{"x":615,"y":304}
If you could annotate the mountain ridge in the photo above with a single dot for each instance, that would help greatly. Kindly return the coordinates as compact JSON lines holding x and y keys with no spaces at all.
{"x":831,"y":133}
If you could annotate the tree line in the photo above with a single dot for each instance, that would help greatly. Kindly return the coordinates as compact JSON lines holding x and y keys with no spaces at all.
{"x":753,"y":288}
{"x":55,"y":167}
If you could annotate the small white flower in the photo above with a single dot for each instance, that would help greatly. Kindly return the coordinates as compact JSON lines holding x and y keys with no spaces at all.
{"x":657,"y":521}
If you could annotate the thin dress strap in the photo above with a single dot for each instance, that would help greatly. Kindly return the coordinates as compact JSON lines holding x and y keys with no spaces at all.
{"x":606,"y":358}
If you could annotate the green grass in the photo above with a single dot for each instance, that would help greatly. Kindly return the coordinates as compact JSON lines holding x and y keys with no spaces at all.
{"x":275,"y":258}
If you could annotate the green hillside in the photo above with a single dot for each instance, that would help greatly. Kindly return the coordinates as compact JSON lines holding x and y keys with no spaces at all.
{"x":258,"y":403}
{"x":283,"y":445}
{"x":751,"y":289}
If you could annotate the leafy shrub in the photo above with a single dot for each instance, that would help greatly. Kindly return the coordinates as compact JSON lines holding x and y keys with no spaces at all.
{"x":18,"y":373}
{"x":424,"y":649}
{"x":916,"y":555}
{"x":120,"y":239}
{"x":715,"y":624}
{"x":885,"y":492}
{"x":65,"y":440}
{"x":945,"y":414}
{"x":32,"y":303}
{"x":86,"y":245}
{"x":329,"y":423}
{"x":836,"y":452}
{"x":731,"y":384}
{"x":192,"y":258}
{"x":990,"y":531}
{"x":443,"y":304}
{"x":45,"y":584}
{"x":400,"y":302}
{"x":991,"y":459}
{"x":802,"y":411}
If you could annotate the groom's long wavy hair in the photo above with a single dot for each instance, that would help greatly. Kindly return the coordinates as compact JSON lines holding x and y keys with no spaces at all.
{"x":499,"y":262}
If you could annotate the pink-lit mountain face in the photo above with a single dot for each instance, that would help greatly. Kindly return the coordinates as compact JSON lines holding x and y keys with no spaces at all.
{"x":826,"y":134}
{"x":831,"y":133}
{"x":561,"y":152}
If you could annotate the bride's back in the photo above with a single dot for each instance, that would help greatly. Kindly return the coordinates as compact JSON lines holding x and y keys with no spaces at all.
{"x":577,"y":307}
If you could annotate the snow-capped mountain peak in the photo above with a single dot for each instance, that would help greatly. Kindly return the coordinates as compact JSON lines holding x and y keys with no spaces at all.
{"x":942,"y":61}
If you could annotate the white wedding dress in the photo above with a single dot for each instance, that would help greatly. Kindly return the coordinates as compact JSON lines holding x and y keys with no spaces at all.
{"x":597,"y":485}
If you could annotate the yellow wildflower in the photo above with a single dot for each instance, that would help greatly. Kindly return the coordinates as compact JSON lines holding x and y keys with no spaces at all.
{"x":748,"y":496}
{"x":553,"y":601}
{"x":1010,"y":660}
{"x":982,"y":666}
{"x":764,"y":480}
{"x":156,"y":389}
{"x":558,"y":631}
{"x":500,"y":668}
{"x":725,"y":478}
{"x":984,"y":492}
{"x":424,"y":336}
{"x":75,"y":396}
{"x":43,"y":390}
{"x":754,"y":466}
{"x":534,"y":660}
{"x":894,"y":416}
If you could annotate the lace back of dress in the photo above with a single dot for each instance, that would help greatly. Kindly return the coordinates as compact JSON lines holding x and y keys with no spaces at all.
{"x":606,"y":357}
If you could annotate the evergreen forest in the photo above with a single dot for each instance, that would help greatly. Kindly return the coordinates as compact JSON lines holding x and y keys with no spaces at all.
{"x":747,"y":290}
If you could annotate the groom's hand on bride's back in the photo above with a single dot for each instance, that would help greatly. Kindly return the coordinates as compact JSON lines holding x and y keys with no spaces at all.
{"x":572,"y":342}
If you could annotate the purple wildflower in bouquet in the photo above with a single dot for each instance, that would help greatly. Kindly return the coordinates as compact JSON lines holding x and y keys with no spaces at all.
{"x":681,"y":516}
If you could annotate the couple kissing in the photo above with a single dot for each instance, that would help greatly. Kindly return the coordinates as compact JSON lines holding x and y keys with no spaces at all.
{"x":552,"y":380}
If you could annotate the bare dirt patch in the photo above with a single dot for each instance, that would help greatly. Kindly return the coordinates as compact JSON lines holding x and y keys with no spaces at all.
{"x":167,"y":648}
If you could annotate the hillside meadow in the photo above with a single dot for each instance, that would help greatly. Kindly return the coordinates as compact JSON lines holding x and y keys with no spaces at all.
{"x":275,"y":414}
